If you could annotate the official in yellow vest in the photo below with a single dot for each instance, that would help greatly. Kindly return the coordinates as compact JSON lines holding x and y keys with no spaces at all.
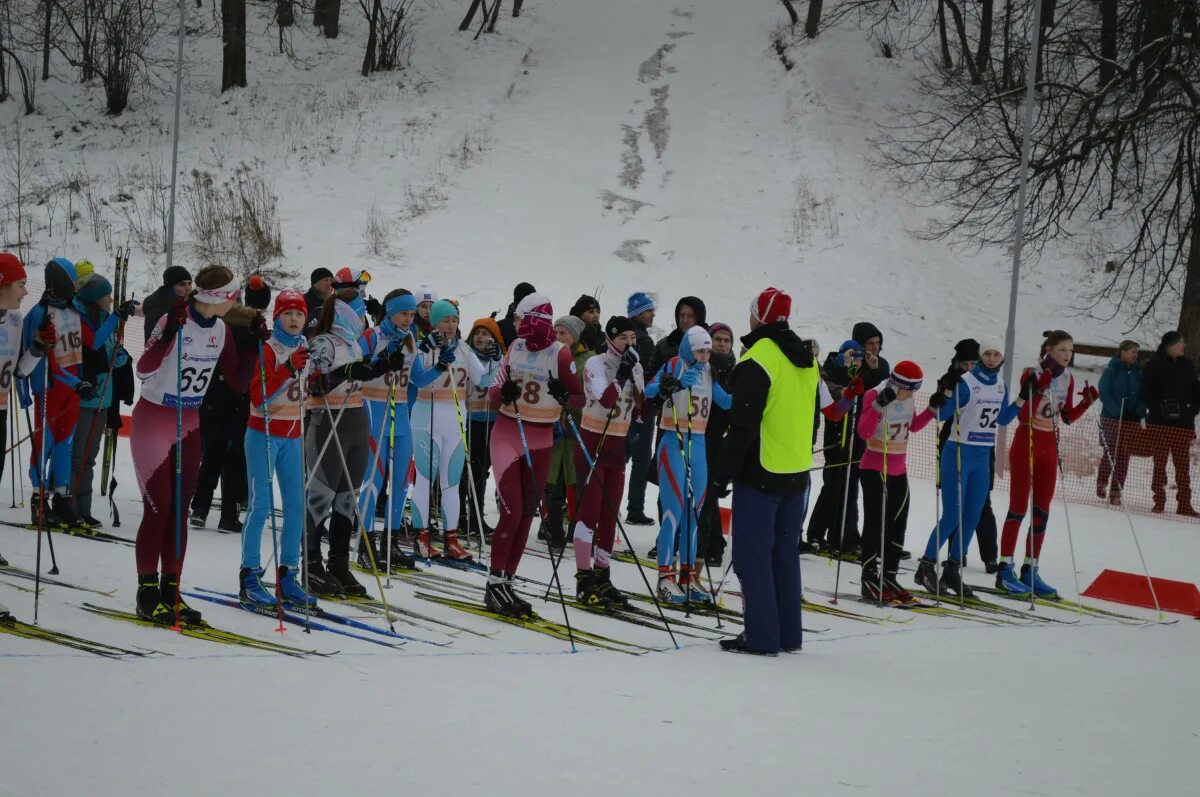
{"x":766,"y":455}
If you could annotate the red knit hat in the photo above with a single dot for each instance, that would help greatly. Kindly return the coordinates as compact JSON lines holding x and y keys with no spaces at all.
{"x":906,"y":375}
{"x":11,"y":269}
{"x":289,"y":299}
{"x":772,"y":305}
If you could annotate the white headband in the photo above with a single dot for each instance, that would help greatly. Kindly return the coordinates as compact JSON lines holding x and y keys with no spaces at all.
{"x":226,"y":293}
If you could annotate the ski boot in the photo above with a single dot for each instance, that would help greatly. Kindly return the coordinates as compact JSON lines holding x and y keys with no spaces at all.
{"x":338,"y":568}
{"x":1008,"y":583}
{"x":926,"y":575}
{"x":638,"y":519}
{"x":499,"y":598}
{"x":50,"y":520}
{"x":365,"y":554}
{"x":293,"y":591}
{"x":952,"y":583}
{"x":603,"y":581}
{"x":63,"y":506}
{"x":229,"y":525}
{"x":453,"y":549}
{"x":1031,"y":580}
{"x":198,"y":518}
{"x":586,"y":593}
{"x":668,"y":590}
{"x":689,"y":583}
{"x":168,"y":587}
{"x":3,"y":561}
{"x":810,"y":546}
{"x":319,"y":580}
{"x":251,"y":591}
{"x":401,"y":558}
{"x":990,"y":567}
{"x":149,"y":601}
{"x":737,"y":644}
{"x":424,"y":548}
{"x":524,"y":606}
{"x":872,"y":592}
{"x":894,"y":593}
{"x":90,"y":522}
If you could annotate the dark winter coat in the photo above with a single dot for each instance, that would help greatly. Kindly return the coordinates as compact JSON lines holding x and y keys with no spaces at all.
{"x":1170,"y":391}
{"x":718,"y":419}
{"x":840,"y":438}
{"x":644,"y":345}
{"x":313,"y":302}
{"x":508,"y":326}
{"x":668,"y":347}
{"x":740,"y":458}
{"x":1121,"y":384}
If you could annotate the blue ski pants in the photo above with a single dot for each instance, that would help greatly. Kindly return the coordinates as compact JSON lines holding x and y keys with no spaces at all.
{"x":288,"y":470}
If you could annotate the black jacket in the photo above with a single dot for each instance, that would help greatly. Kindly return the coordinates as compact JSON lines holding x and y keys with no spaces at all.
{"x":1170,"y":391}
{"x":718,"y":419}
{"x":668,"y":347}
{"x":508,"y":326}
{"x":313,"y":302}
{"x":740,"y":459}
{"x":645,"y":348}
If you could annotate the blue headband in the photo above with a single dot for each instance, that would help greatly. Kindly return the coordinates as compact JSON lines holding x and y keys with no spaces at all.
{"x":400,"y":304}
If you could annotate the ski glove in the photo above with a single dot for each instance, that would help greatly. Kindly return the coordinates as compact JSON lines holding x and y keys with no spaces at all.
{"x":446,"y":358}
{"x":1089,"y":394}
{"x":374,"y":308}
{"x":395,"y":360}
{"x":625,"y":369}
{"x":509,"y":392}
{"x":938,"y":400}
{"x":86,"y":390}
{"x":667,"y":385}
{"x":127,"y":309}
{"x":45,"y":338}
{"x":855,"y":389}
{"x":120,"y":357}
{"x":297,"y":361}
{"x":492,"y":351}
{"x":176,"y":318}
{"x":885,"y":397}
{"x":950,"y":380}
{"x":691,"y":377}
{"x":558,"y":390}
{"x":259,"y":329}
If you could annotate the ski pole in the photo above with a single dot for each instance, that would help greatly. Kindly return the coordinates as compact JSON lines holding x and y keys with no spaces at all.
{"x":387,"y":613}
{"x":178,"y":466}
{"x":883,"y":516}
{"x":616,"y":515}
{"x":537,"y":493}
{"x":694,"y":517}
{"x":937,"y":518}
{"x":12,"y":475}
{"x":391,"y":481}
{"x":1132,"y":531}
{"x":847,"y":444}
{"x":684,"y":537}
{"x":1032,"y":503}
{"x":17,"y":463}
{"x":301,"y":401}
{"x":1070,"y":539}
{"x":962,"y":530}
{"x":462,"y":433}
{"x":262,"y":377}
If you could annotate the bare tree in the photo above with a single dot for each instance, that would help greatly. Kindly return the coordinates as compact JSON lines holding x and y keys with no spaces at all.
{"x":326,"y":16}
{"x":233,"y":40}
{"x":389,"y":34}
{"x":1114,"y":151}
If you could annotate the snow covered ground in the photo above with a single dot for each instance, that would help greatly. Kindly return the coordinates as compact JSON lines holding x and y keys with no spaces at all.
{"x":932,"y":705}
{"x":663,"y":130}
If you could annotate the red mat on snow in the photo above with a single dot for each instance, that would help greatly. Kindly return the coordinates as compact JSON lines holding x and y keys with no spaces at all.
{"x":1133,"y":589}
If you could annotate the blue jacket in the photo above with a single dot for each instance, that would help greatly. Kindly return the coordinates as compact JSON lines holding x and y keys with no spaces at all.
{"x":1120,"y":381}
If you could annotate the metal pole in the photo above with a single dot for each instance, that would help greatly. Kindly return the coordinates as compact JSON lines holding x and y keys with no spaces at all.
{"x":1010,"y":336}
{"x":175,"y":135}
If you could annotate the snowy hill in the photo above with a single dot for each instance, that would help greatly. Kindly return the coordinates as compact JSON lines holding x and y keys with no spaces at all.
{"x":601,"y":148}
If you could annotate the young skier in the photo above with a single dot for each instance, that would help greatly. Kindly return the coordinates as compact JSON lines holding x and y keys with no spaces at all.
{"x":437,"y":433}
{"x":174,"y":382}
{"x":561,"y":492}
{"x":391,"y":436}
{"x":688,"y":392}
{"x":16,"y":360}
{"x":1048,"y":390}
{"x":615,"y":387}
{"x":974,"y":404}
{"x":62,"y":391}
{"x":537,"y":378}
{"x":889,"y":416}
{"x":275,"y":453}
{"x":94,"y":302}
{"x":337,"y":445}
{"x":489,"y":348}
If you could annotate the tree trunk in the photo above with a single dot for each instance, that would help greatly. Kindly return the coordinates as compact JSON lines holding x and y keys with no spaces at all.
{"x":961,"y":29}
{"x":1049,"y":7}
{"x":1189,"y":312}
{"x":812,"y":24}
{"x":517,"y":7}
{"x":3,"y":74}
{"x":233,"y":39}
{"x":466,"y":22}
{"x":368,"y":64}
{"x":1006,"y":67}
{"x":947,"y":59}
{"x":46,"y":40}
{"x":1108,"y":41}
{"x":326,"y":15}
{"x":983,"y":55}
{"x":285,"y":13}
{"x":791,"y":9}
